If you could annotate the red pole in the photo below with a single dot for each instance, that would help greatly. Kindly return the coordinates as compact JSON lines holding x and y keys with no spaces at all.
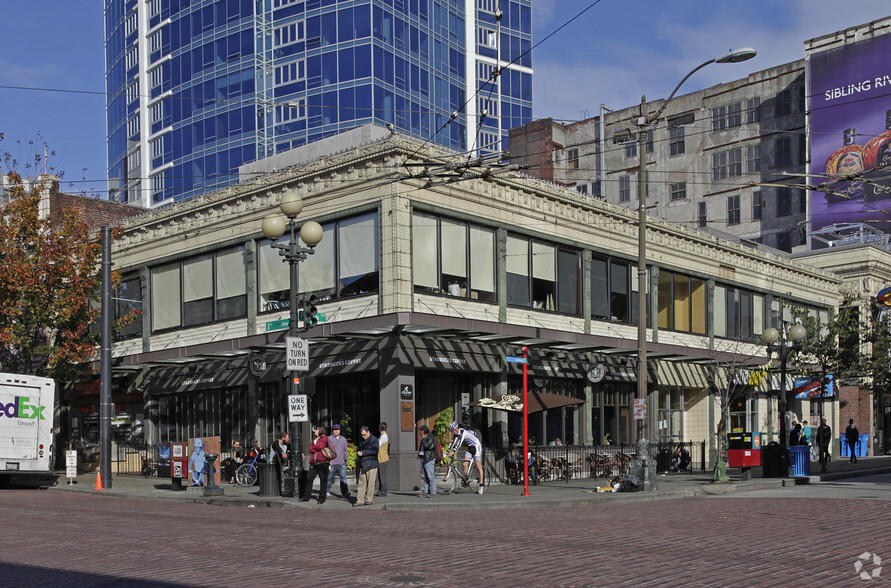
{"x":525,"y":425}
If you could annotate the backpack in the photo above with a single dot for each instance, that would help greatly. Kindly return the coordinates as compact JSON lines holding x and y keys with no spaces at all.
{"x":439,"y":455}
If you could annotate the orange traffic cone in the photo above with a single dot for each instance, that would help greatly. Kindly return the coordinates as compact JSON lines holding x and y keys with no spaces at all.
{"x":99,"y":481}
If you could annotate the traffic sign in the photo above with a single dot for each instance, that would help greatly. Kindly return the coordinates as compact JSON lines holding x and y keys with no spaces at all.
{"x":297,"y":409}
{"x":515,"y":359}
{"x":278,"y":325}
{"x":297,"y":352}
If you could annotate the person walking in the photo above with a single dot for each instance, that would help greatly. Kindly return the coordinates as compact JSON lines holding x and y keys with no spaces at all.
{"x":318,"y":465}
{"x":824,"y":436}
{"x":807,"y":438}
{"x":338,"y":465}
{"x":427,"y":457}
{"x":367,"y":453}
{"x":278,"y":455}
{"x":383,"y":457}
{"x":852,"y":436}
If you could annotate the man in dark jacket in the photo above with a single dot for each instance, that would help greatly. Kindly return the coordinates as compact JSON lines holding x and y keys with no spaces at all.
{"x":824,"y":436}
{"x":367,"y":454}
{"x":852,"y":436}
{"x":427,"y":457}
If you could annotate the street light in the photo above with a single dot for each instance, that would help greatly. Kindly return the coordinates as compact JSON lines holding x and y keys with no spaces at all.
{"x":777,"y":341}
{"x":645,"y":120}
{"x":274,"y":226}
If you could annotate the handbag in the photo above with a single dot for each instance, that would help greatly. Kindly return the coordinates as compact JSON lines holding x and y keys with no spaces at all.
{"x":328,"y":453}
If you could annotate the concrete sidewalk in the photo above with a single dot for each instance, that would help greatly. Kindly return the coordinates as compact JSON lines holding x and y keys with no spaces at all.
{"x":497,"y":496}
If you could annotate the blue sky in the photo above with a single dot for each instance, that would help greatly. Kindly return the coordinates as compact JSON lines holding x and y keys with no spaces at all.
{"x":613,"y":53}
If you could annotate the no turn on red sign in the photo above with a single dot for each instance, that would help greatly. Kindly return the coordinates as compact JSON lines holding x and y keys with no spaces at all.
{"x":297,"y":354}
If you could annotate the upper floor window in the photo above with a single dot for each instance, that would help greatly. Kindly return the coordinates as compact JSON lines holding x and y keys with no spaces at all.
{"x":739,"y":314}
{"x":727,"y":164}
{"x":676,"y":140}
{"x":757,"y":206}
{"x":784,"y":152}
{"x":453,"y":258}
{"x":733,"y":216}
{"x":572,"y":158}
{"x":753,"y":110}
{"x":624,"y":188}
{"x":753,"y":159}
{"x":345,"y":263}
{"x":702,"y":215}
{"x":678,"y":191}
{"x":682,"y":303}
{"x":290,"y":33}
{"x":290,"y":72}
{"x":128,"y":298}
{"x":199,"y":290}
{"x":783,"y":103}
{"x":542,"y":276}
{"x":613,"y":293}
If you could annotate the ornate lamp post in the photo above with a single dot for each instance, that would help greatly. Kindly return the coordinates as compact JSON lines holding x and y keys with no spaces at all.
{"x":776,"y":341}
{"x":645,"y":120}
{"x":274,"y":226}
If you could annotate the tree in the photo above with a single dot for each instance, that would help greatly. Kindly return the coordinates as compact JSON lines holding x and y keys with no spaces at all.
{"x":48,"y":275}
{"x":731,"y":377}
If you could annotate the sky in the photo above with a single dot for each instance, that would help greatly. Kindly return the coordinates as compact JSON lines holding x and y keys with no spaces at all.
{"x":52,"y":68}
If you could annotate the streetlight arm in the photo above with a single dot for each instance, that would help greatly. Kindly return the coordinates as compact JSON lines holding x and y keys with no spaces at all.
{"x":652,"y":117}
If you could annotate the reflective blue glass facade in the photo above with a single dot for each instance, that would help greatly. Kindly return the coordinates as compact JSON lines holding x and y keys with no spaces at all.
{"x":197,"y":88}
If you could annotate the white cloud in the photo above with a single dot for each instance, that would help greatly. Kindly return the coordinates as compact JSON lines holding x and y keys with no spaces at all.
{"x":621,"y":59}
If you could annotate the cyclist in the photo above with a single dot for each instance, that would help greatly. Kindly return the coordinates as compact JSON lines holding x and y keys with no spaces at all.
{"x":474,"y":449}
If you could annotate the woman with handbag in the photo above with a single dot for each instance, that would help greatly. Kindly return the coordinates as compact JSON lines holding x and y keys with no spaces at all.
{"x":319,"y":453}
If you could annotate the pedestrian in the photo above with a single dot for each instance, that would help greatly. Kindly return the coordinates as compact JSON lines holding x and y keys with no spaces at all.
{"x":807,"y":438}
{"x":852,"y":436}
{"x":824,"y":436}
{"x":795,"y":434}
{"x":427,"y":457}
{"x":318,"y":465}
{"x":233,"y":462}
{"x":338,"y":466}
{"x":278,"y":455}
{"x":383,"y":457}
{"x":367,"y":452}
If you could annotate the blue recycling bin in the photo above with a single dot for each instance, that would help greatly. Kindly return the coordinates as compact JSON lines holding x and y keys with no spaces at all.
{"x":800,"y":456}
{"x":845,"y":449}
{"x":862,"y":446}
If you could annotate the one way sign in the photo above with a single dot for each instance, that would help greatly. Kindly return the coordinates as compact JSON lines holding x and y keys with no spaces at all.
{"x":297,"y":412}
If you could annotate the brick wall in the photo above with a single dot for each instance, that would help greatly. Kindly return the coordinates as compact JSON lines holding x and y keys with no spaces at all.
{"x":94,"y":211}
{"x":532,"y":145}
{"x":855,"y":403}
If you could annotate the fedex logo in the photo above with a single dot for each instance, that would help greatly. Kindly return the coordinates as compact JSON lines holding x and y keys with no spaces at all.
{"x":22,"y":409}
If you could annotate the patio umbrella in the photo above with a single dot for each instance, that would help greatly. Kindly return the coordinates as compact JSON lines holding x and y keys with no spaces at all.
{"x":538,"y":401}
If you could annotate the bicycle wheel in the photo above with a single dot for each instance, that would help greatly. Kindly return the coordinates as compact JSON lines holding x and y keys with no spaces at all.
{"x":449,"y":484}
{"x":473,"y":480}
{"x":604,"y":470}
{"x":246,"y":475}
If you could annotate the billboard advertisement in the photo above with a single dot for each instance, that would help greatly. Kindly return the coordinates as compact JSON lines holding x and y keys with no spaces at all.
{"x":850,"y":133}
{"x":806,"y":387}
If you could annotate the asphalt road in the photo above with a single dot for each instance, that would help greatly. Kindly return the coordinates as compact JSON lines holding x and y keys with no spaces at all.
{"x":779,"y":539}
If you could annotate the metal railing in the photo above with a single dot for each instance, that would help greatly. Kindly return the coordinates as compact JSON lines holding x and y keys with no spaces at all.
{"x":555,"y":463}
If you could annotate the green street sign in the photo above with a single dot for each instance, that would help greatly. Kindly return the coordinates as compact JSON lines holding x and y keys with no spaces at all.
{"x":277,"y":325}
{"x":321,"y":317}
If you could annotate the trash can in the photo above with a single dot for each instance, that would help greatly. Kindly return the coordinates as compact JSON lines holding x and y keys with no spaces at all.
{"x":800,"y":456}
{"x":845,"y":449}
{"x":268,"y":477}
{"x":863,"y":445}
{"x":773,"y":463}
{"x":663,"y":461}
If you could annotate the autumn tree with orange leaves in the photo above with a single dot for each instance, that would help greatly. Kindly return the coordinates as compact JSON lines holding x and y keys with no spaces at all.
{"x":48,"y":275}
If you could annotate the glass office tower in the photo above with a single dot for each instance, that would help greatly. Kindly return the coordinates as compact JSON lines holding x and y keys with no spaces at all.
{"x":197,"y":88}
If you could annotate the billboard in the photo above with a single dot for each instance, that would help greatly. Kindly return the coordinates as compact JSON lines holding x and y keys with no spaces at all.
{"x":806,"y":387}
{"x":850,"y":133}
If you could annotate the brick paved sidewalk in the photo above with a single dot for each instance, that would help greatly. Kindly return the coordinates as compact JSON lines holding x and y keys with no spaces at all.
{"x":573,"y":493}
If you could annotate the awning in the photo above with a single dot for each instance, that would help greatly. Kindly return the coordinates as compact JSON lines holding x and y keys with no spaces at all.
{"x":538,"y":402}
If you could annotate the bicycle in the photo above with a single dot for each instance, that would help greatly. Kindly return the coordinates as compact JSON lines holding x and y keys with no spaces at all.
{"x":246,"y":474}
{"x":455,"y":479}
{"x":622,"y":463}
{"x":601,"y":465}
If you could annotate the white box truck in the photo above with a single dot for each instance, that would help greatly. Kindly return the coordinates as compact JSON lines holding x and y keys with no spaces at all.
{"x":27,"y":406}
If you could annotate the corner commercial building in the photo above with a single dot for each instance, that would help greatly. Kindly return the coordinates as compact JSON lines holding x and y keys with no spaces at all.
{"x":198,"y":88}
{"x":426,"y":287}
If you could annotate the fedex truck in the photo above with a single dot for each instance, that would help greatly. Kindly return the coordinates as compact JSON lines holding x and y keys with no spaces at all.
{"x":26,"y":424}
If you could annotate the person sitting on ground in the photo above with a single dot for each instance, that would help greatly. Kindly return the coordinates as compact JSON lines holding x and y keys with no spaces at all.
{"x":256,"y":451}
